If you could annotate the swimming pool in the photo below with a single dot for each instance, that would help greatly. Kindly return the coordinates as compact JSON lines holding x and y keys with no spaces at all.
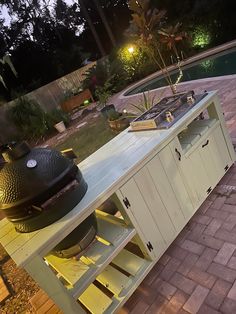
{"x":220,"y":64}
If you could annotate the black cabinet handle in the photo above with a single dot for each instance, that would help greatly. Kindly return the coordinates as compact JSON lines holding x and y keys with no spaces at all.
{"x":178,"y":153}
{"x":207,"y":142}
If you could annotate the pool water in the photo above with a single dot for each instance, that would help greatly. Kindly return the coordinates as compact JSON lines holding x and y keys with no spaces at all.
{"x":217,"y":65}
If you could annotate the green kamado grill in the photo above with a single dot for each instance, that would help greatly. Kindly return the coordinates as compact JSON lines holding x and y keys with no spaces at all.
{"x":39,"y":186}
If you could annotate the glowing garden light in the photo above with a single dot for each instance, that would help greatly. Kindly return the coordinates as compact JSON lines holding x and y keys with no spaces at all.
{"x":131,"y":49}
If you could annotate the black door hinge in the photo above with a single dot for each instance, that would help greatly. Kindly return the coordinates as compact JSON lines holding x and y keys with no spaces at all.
{"x":209,"y":190}
{"x":126,"y":202}
{"x":149,"y":246}
{"x":226,"y":168}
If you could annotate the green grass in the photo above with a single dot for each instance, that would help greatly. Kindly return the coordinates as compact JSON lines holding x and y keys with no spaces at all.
{"x":88,"y":139}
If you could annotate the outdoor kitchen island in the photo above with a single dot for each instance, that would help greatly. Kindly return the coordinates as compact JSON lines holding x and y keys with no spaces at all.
{"x":158,"y":179}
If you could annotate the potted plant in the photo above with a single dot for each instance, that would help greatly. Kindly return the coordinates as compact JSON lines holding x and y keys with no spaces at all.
{"x":116,"y":120}
{"x":57,"y":118}
{"x":103,"y":93}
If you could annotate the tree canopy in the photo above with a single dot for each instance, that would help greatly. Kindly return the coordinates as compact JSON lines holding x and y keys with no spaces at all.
{"x":50,"y":38}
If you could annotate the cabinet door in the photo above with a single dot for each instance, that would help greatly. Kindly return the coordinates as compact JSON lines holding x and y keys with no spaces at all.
{"x":142,"y":219}
{"x":220,"y":152}
{"x":167,"y":194}
{"x":187,"y":171}
{"x":153,"y":200}
{"x":209,"y":161}
{"x":200,"y":179}
{"x":176,"y":181}
{"x":215,"y":156}
{"x":206,"y":150}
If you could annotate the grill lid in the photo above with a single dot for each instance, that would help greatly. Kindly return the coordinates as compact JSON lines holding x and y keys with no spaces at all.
{"x":31,"y":173}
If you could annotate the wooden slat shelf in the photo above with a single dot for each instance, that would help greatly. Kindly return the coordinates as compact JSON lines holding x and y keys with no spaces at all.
{"x":112,"y":237}
{"x":113,"y":279}
{"x":95,"y":300}
{"x":115,"y":283}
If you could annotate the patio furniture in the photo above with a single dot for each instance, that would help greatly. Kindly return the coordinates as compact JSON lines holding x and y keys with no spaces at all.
{"x":158,"y":179}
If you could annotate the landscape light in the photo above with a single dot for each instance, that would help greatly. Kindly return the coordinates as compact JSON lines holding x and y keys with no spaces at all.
{"x":131,"y":49}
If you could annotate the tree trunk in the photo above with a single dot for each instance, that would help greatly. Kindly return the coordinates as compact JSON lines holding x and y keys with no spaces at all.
{"x":92,"y":28}
{"x":105,"y":22}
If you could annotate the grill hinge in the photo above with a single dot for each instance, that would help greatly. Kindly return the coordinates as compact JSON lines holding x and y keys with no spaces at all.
{"x":226,"y":168}
{"x":149,"y":246}
{"x":209,"y":190}
{"x":126,"y":202}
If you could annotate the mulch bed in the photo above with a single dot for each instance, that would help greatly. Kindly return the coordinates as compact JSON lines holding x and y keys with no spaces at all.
{"x":20,"y":285}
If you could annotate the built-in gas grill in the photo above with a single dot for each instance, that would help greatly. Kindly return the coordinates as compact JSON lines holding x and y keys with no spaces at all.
{"x":166,"y":112}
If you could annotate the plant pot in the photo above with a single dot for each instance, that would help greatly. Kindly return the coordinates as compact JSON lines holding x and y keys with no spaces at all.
{"x":119,"y":124}
{"x":60,"y":127}
{"x":105,"y":110}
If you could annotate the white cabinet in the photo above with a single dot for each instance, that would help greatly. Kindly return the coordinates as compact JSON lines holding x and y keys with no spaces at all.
{"x":160,"y":178}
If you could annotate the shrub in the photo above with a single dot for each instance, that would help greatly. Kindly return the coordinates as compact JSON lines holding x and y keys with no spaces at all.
{"x":106,"y":69}
{"x":55,"y":116}
{"x":29,"y":118}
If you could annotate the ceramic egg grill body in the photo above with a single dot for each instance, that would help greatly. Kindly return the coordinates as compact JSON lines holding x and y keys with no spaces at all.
{"x":38,"y":186}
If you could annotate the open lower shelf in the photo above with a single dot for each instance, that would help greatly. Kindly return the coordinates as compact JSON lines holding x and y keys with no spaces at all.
{"x":195,"y":131}
{"x":115,"y":284}
{"x":112,"y":236}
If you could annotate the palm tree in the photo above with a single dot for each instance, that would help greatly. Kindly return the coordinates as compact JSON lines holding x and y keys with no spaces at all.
{"x":145,"y":24}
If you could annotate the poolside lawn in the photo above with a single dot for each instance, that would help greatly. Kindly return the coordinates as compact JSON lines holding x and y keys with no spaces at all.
{"x":88,"y":139}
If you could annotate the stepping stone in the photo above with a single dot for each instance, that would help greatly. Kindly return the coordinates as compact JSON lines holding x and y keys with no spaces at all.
{"x":76,"y":115}
{"x":81,"y":124}
{"x":4,"y":293}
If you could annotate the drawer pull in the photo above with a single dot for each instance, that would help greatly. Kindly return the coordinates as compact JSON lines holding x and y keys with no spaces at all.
{"x":178,"y":153}
{"x":207,"y":142}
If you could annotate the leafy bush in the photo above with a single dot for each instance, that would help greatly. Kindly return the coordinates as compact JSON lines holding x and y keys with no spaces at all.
{"x":29,"y":118}
{"x":106,"y":69}
{"x":113,"y":115}
{"x":55,"y":116}
{"x":104,"y":92}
